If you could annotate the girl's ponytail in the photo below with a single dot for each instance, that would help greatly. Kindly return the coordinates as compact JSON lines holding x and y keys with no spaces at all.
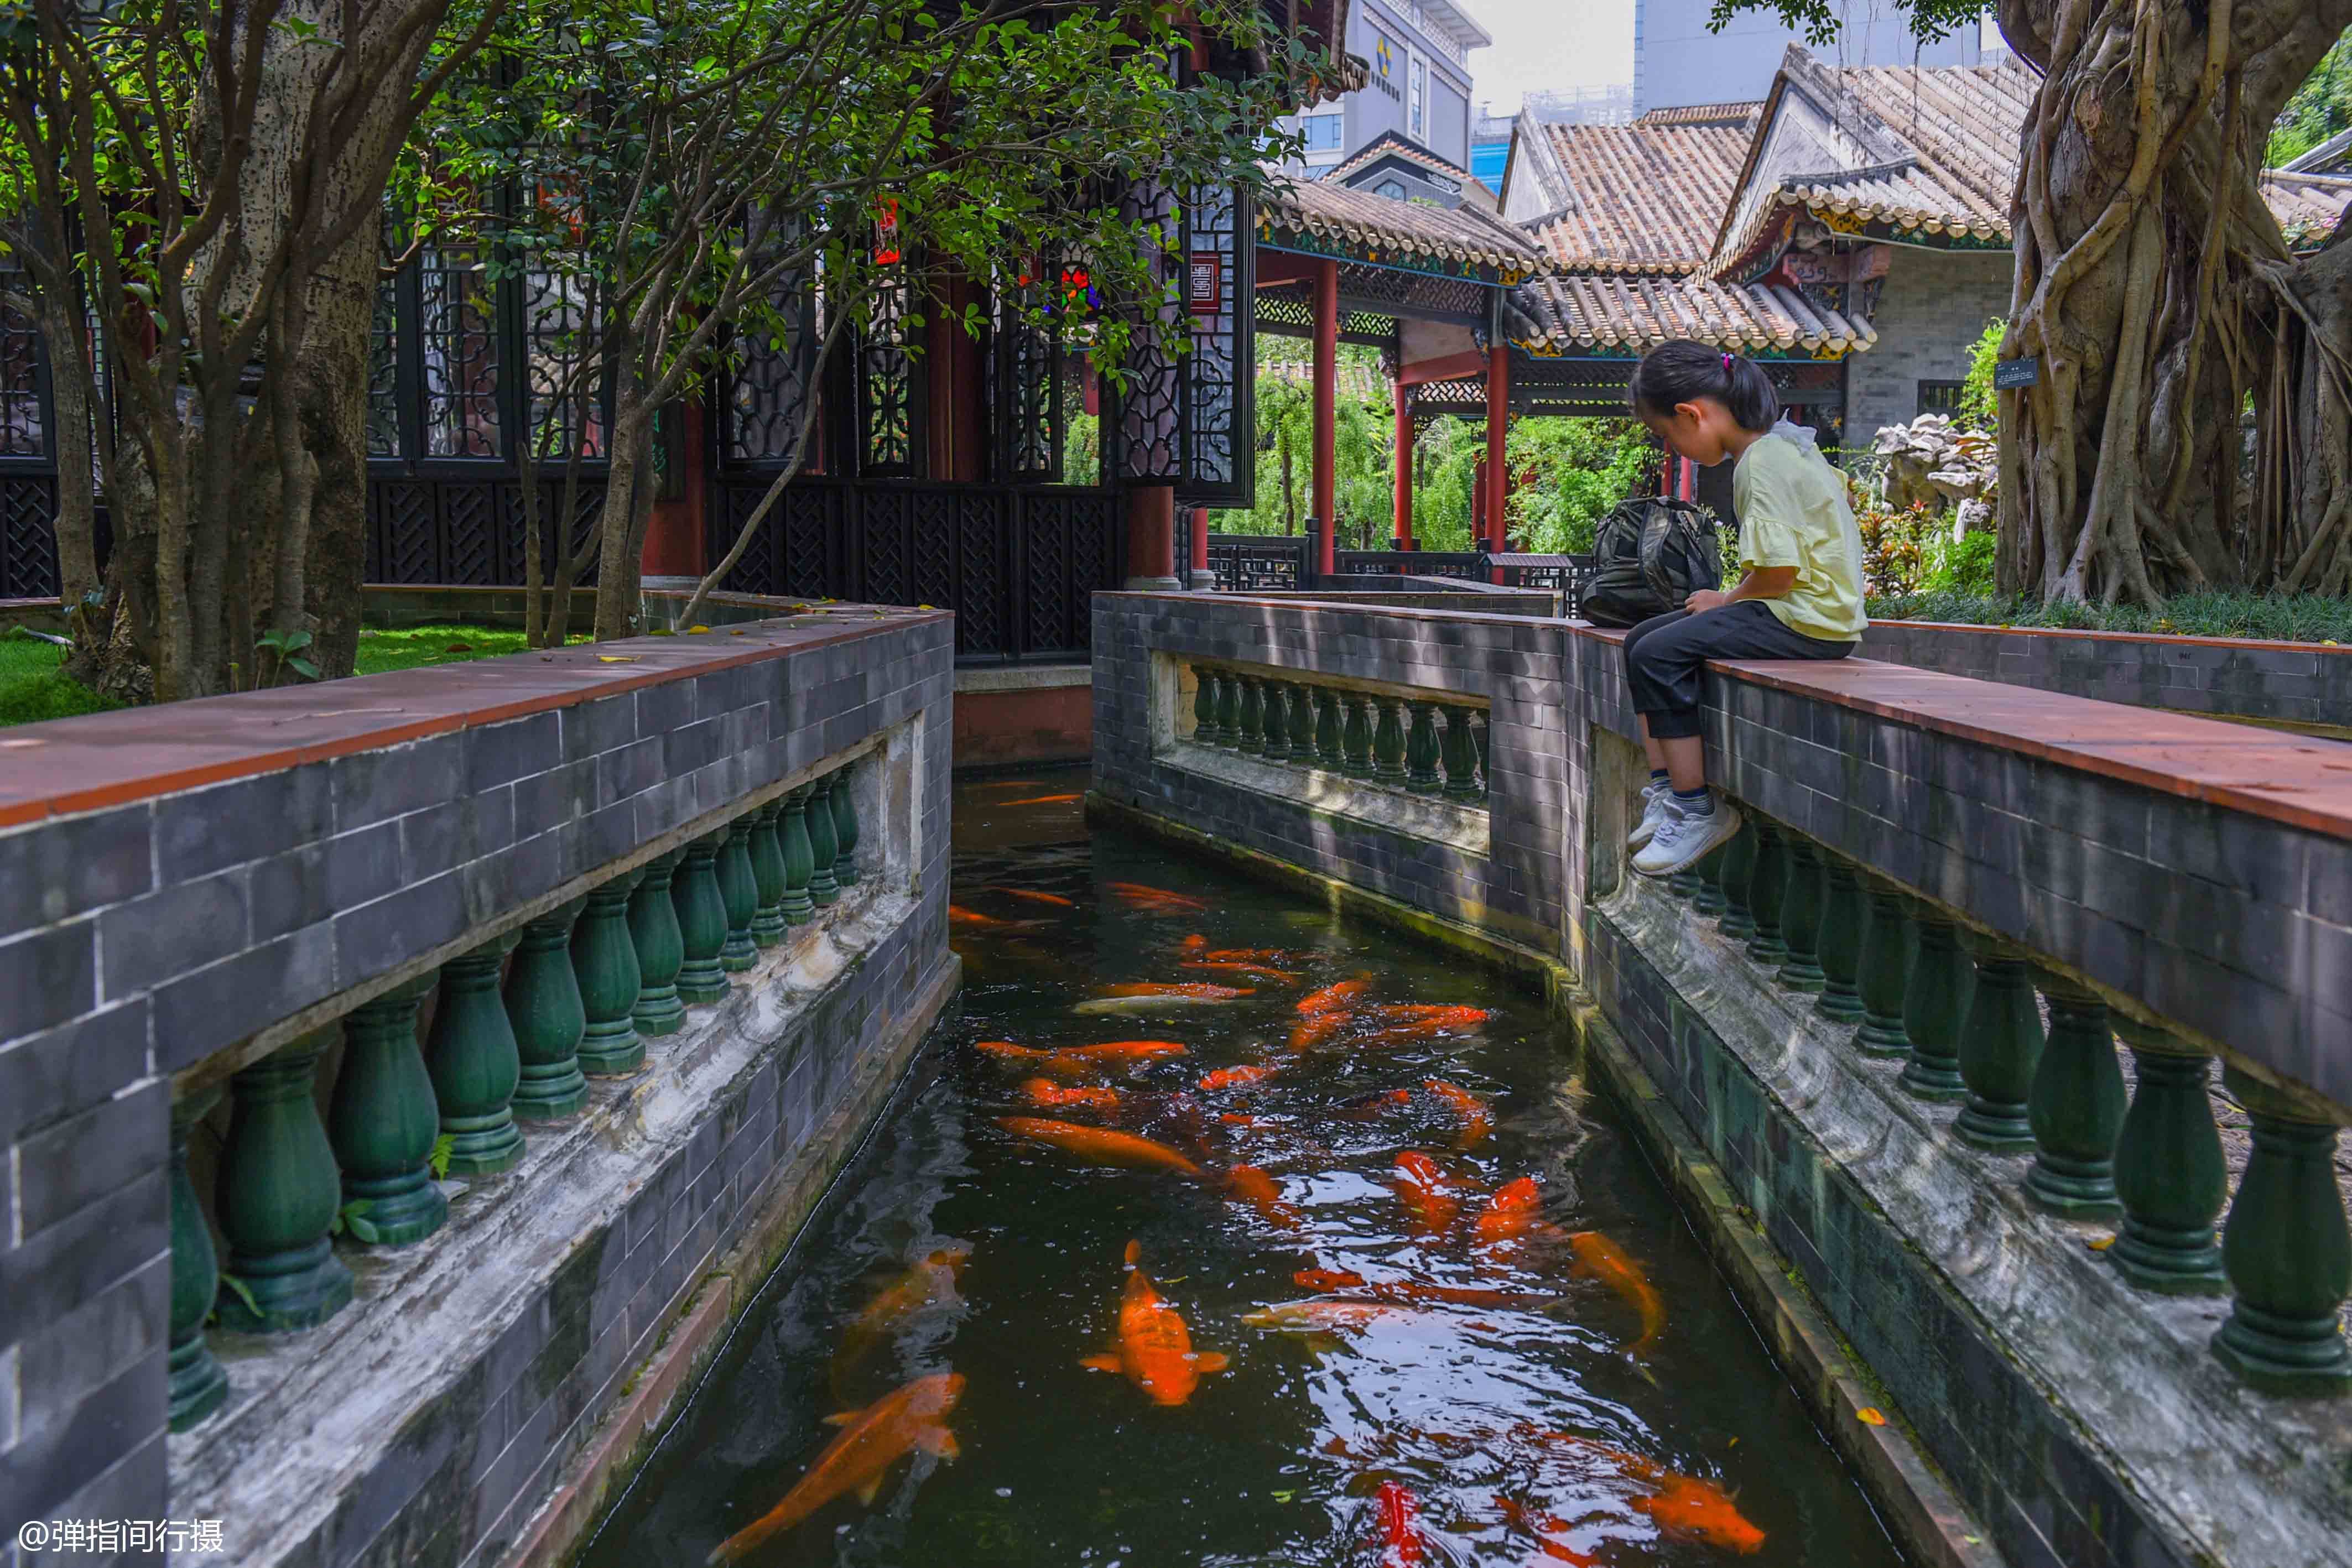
{"x":1684,"y":371}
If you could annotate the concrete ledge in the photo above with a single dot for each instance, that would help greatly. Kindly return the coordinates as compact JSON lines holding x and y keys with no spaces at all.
{"x":1021,"y":678}
{"x":1336,"y":797}
{"x":1923,"y":1515}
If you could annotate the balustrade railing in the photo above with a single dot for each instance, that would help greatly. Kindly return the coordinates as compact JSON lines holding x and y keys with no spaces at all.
{"x":1434,"y":745}
{"x":1959,"y":1011}
{"x":521,"y":1025}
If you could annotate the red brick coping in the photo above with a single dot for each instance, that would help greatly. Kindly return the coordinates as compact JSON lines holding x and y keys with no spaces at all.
{"x":81,"y":764}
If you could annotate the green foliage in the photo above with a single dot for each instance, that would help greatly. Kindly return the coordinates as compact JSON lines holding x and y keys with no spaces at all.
{"x":2320,"y":108}
{"x":437,"y":1161}
{"x":1362,"y":433}
{"x":242,"y":1292}
{"x":2277,"y":616}
{"x":1818,"y":20}
{"x":1979,"y":405}
{"x":1577,"y":470}
{"x":1447,"y":459}
{"x":351,"y":1221}
{"x":33,"y":688}
{"x":285,"y":649}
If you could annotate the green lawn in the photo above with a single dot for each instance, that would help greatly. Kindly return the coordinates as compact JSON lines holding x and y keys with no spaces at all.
{"x":2287,"y":618}
{"x":31,"y":687}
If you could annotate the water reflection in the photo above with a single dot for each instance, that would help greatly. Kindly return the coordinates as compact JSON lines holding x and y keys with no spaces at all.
{"x":1438,"y":1378}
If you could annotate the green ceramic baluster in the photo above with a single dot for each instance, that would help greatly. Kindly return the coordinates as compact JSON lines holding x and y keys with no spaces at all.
{"x":1885,"y":975}
{"x":1767,"y":887}
{"x":1229,"y":710}
{"x":702,"y":918}
{"x":2287,"y":1252}
{"x":823,"y":887}
{"x":2075,"y":1107}
{"x":1356,"y":735}
{"x":1421,"y":751}
{"x":1461,"y":757}
{"x":1388,"y":741}
{"x":475,"y":1063}
{"x":605,"y":961}
{"x":768,"y":927}
{"x":1253,"y":715}
{"x":653,"y":932}
{"x":543,"y":1005}
{"x":1802,"y":898}
{"x":1204,"y":705}
{"x":277,"y":1195}
{"x":2169,"y":1173}
{"x":739,"y":891}
{"x":1327,"y":752}
{"x":844,"y":828}
{"x":1302,"y":724}
{"x":382,"y":1121}
{"x":800,"y":859}
{"x":2000,"y":1045}
{"x":1706,"y":899}
{"x":1277,"y":721}
{"x":1844,"y":914}
{"x":1936,"y":1008}
{"x":1736,"y":875}
{"x":197,"y":1384}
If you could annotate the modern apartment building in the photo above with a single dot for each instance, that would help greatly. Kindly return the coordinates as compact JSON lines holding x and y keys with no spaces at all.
{"x":1417,"y":59}
{"x":1677,"y":62}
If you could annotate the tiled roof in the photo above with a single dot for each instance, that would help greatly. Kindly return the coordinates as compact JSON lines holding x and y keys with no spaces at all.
{"x":1374,"y":225}
{"x":1734,"y":114}
{"x":2307,"y":207}
{"x":1568,"y":311}
{"x":1395,"y":142}
{"x":1642,"y":198}
{"x":1958,"y":124}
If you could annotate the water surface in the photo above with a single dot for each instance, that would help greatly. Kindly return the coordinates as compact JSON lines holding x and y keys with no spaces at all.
{"x":1473,"y":1410}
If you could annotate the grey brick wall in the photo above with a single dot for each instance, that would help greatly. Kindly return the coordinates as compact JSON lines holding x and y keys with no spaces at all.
{"x":1931,"y":310}
{"x":2305,"y":683}
{"x":195,"y":929}
{"x":1521,"y":887}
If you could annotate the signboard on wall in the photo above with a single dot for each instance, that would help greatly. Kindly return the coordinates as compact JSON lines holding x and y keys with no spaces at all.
{"x":1204,"y":282}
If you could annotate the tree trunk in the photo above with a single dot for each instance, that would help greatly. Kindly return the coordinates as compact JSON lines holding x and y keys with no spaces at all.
{"x":2301,"y":533}
{"x":334,"y":397}
{"x":616,"y":561}
{"x":2137,"y":224}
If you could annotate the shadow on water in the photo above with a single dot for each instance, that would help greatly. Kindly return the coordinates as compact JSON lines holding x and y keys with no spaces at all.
{"x":1512,"y":1421}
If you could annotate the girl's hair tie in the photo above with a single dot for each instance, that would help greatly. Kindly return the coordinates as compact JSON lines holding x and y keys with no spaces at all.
{"x":1726,"y":361}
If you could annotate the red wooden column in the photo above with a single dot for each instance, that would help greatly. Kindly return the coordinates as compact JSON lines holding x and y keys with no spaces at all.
{"x":673,"y":542}
{"x":1326,"y":408}
{"x":1152,"y":538}
{"x":1200,"y":548}
{"x":1498,"y":413}
{"x":1403,"y":465}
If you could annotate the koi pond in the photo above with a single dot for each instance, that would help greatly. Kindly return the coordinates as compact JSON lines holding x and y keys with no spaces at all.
{"x":1329,"y":1259}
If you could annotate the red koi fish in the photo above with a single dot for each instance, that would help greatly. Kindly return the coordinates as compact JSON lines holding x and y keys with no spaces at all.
{"x":1401,"y":1538}
{"x":1542,"y":1527}
{"x":1280,"y":956}
{"x":871,"y":1441}
{"x":1257,"y":1188}
{"x":1082,"y":1061}
{"x":1402,"y":1024}
{"x":1155,"y":1348}
{"x":1156,"y":900}
{"x":1603,"y":1258}
{"x":1045,"y":1092}
{"x":931,"y":1282}
{"x":1368,"y":1107}
{"x":1100,"y":1145}
{"x":1056,"y":899}
{"x":1044,"y":801}
{"x":1689,"y":1509}
{"x":1237,"y":1077}
{"x":1313,"y":1031}
{"x":1508,"y":1215}
{"x":1477,"y":1119}
{"x":1332,"y":999}
{"x":1255,"y":971}
{"x":1200,"y":989}
{"x":959,"y":916}
{"x":1422,"y":1188}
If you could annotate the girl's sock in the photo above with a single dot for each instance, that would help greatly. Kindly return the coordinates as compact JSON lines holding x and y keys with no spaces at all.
{"x":1699,"y":802}
{"x":1657,"y":777}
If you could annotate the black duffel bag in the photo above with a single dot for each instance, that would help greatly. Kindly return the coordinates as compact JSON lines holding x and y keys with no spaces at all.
{"x":1649,"y":554}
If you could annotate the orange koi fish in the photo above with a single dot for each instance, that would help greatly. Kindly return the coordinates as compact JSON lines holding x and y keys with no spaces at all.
{"x":931,"y":1282}
{"x":1401,"y":1539}
{"x":1313,"y":1031}
{"x":958,"y":914}
{"x":1542,"y":1527}
{"x":1328,"y":1279}
{"x":1156,"y":900}
{"x":1045,"y":1092}
{"x":1477,"y":1119}
{"x":1257,"y":1188}
{"x":1332,"y":999}
{"x":871,"y":1441}
{"x":1056,"y":899}
{"x":1237,"y":1077}
{"x":1366,"y":1107}
{"x":1422,"y":1187}
{"x":1195,"y":943}
{"x":1689,"y":1509}
{"x":1255,"y":971}
{"x":1197,"y":989}
{"x":1100,"y":1145}
{"x":1321,"y":1322}
{"x":1155,"y":1348}
{"x":1508,"y":1215}
{"x":1043,"y":801}
{"x":1402,"y":1024}
{"x":1281,"y":956}
{"x":1599,"y":1255}
{"x":1082,"y":1061}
